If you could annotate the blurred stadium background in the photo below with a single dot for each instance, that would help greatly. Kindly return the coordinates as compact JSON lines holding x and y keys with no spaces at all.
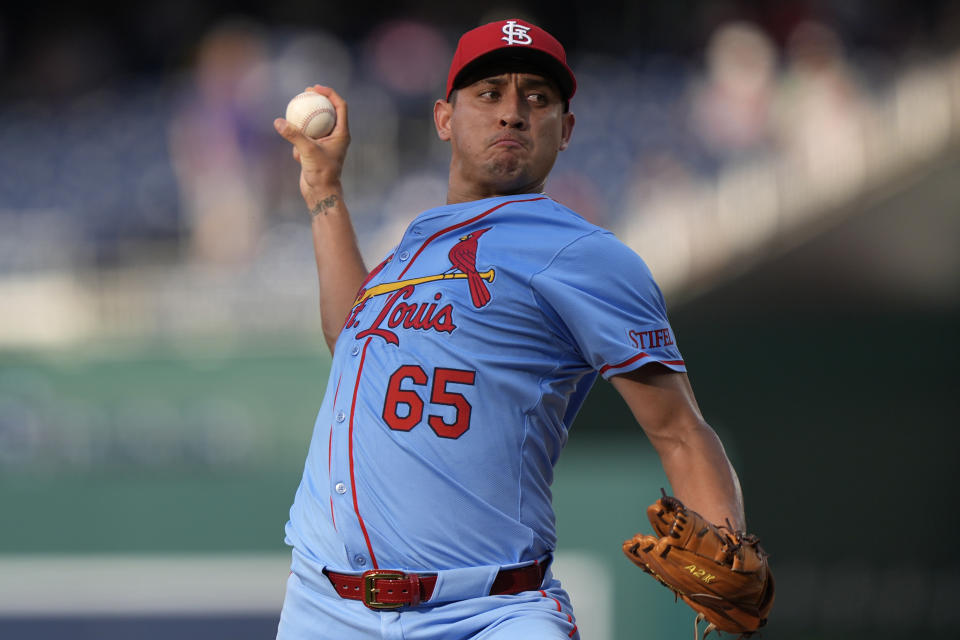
{"x":790,"y":170}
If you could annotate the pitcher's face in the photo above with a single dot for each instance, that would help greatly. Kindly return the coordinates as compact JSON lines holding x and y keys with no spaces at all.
{"x":505,"y":132}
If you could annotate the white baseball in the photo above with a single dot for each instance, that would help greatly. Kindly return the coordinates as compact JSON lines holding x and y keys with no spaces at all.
{"x":312,"y":113}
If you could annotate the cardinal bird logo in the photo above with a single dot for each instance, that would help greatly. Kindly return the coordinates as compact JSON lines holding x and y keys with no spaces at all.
{"x":463,"y":257}
{"x":402,"y":311}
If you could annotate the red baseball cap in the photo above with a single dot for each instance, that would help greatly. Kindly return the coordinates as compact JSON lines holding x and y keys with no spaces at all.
{"x":511,"y":41}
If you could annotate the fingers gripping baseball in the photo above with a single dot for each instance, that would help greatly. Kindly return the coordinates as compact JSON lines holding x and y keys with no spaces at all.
{"x":321,"y":160}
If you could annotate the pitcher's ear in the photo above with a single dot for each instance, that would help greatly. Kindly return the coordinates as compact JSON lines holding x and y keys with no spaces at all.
{"x":568,"y":122}
{"x":442,"y":112}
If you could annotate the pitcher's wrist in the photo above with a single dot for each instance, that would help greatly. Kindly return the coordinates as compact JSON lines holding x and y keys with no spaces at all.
{"x":324,"y":204}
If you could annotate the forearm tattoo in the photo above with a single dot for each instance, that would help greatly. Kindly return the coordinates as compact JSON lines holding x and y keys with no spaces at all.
{"x":321,"y":207}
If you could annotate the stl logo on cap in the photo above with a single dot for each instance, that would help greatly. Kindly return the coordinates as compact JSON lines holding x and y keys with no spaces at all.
{"x":516,"y":33}
{"x":496,"y":41}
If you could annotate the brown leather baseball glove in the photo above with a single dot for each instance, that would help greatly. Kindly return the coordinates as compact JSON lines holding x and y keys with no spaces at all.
{"x":721,"y":573}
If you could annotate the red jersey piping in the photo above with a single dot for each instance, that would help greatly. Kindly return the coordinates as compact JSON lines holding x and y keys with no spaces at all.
{"x":333,"y":516}
{"x":457,"y":226}
{"x":353,"y":482}
{"x":639,"y":356}
{"x":560,"y":609}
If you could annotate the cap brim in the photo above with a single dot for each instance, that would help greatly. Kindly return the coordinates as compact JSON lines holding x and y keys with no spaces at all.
{"x":512,"y":59}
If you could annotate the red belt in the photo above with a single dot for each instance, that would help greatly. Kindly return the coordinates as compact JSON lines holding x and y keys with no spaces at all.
{"x":384,"y":589}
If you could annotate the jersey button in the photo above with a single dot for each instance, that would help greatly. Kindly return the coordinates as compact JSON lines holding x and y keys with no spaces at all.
{"x":355,"y":350}
{"x":341,"y":488}
{"x":404,"y":255}
{"x":360,"y":560}
{"x":341,"y":416}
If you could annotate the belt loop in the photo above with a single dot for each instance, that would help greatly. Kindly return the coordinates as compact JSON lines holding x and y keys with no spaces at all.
{"x":464,"y":583}
{"x":414,"y":589}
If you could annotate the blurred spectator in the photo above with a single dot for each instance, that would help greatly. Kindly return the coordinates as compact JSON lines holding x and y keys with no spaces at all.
{"x":820,"y":111}
{"x":410,"y":58}
{"x":217,"y":142}
{"x":730,"y":108}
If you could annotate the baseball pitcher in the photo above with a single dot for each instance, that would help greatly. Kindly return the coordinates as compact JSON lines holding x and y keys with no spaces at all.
{"x":459,"y":363}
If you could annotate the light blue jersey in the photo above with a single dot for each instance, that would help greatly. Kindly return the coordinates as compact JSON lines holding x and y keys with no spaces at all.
{"x":454,"y":383}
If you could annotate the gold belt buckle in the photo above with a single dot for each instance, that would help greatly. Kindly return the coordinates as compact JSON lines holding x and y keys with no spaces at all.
{"x":370,"y":591}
